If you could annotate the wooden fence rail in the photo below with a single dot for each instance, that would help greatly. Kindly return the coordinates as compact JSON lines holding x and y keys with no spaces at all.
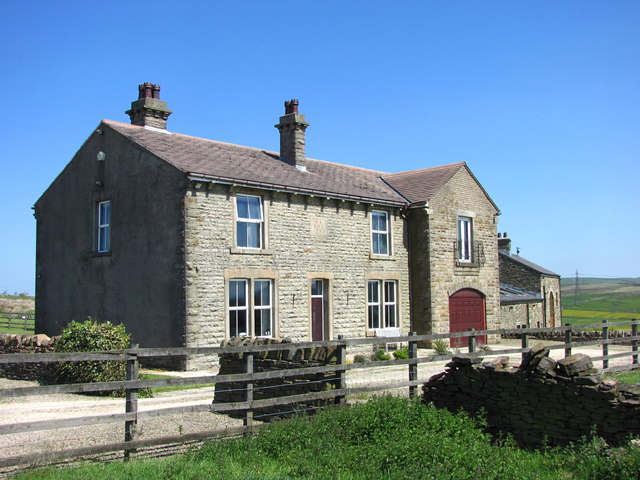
{"x":132,"y":384}
{"x":24,"y":321}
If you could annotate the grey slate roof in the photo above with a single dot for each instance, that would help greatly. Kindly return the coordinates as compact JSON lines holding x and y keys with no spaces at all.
{"x":511,"y":294}
{"x":199,"y":157}
{"x":419,"y":186}
{"x":209,"y":159}
{"x":422,"y":185}
{"x":526,"y":263}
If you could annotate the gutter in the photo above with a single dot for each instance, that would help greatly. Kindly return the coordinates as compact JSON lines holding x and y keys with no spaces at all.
{"x":195,"y":177}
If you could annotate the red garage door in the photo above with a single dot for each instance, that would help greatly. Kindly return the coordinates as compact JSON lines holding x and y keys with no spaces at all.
{"x":466,"y":310}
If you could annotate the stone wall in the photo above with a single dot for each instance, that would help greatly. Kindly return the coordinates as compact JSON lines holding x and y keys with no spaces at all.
{"x":306,"y":238}
{"x":577,"y":336}
{"x":285,"y":359}
{"x":515,"y":315}
{"x":553,"y":311}
{"x":540,"y":401}
{"x":25,"y":344}
{"x":516,"y":274}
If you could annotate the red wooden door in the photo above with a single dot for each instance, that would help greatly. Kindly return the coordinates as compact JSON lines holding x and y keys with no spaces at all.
{"x":466,"y":310}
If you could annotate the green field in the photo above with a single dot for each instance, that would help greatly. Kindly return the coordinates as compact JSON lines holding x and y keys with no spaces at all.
{"x":597,"y":299}
{"x":17,"y":304}
{"x":601,"y":294}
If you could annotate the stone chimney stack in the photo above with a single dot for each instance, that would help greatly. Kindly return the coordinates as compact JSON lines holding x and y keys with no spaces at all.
{"x":149,"y":110}
{"x":292,"y":139}
{"x":504,"y":243}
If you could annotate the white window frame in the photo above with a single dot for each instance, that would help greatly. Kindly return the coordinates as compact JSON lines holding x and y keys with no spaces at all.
{"x":237,"y":308}
{"x":251,"y":307}
{"x":387,"y":304}
{"x":373,"y":304}
{"x":242,"y":220}
{"x":381,"y":233}
{"x":262,"y":307}
{"x":465,"y":239}
{"x":383,"y":304}
{"x":103,"y":240}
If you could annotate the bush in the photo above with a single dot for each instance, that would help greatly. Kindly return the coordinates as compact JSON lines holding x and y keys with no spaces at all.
{"x":401,"y":353}
{"x":86,"y":337}
{"x":380,"y":356}
{"x":360,"y":359}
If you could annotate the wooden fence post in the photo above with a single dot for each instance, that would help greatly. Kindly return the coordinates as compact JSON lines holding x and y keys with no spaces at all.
{"x":634,"y":343}
{"x":605,"y":346}
{"x":342,"y":374}
{"x":413,"y":367}
{"x":131,"y":403}
{"x":567,"y":340}
{"x":248,"y":368}
{"x":524,"y":343}
{"x":472,"y":341}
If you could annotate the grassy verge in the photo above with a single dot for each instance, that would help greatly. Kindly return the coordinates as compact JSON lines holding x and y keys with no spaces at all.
{"x":632,"y":376}
{"x":385,"y":438}
{"x":16,"y":331}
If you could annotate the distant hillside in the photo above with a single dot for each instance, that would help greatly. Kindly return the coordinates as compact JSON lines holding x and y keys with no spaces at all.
{"x":17,"y":304}
{"x":601,"y":294}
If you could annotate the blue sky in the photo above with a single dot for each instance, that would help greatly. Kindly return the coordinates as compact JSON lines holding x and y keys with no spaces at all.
{"x":540,"y":98}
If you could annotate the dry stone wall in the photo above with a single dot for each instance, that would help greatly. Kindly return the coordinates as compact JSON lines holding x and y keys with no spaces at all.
{"x":25,"y":344}
{"x":541,"y":400}
{"x":285,"y":359}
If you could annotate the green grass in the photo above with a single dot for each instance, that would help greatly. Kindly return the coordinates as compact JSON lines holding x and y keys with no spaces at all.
{"x":632,"y":376}
{"x":386,"y":438}
{"x":16,"y":331}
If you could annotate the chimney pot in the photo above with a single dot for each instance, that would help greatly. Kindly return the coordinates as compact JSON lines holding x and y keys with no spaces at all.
{"x":504,"y":243}
{"x":291,"y":106}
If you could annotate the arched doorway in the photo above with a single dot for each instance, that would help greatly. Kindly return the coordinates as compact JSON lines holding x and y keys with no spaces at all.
{"x":467,"y":310}
{"x":552,"y":310}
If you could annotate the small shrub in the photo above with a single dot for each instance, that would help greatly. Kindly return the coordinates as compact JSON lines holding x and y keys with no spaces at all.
{"x":380,"y":356}
{"x":401,"y":353}
{"x":91,"y":336}
{"x":441,"y":347}
{"x":360,"y":359}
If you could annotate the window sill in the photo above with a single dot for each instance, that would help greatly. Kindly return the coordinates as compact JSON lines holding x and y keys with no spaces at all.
{"x":99,"y":254}
{"x":249,"y":251}
{"x":462,"y":264}
{"x":373,"y":256}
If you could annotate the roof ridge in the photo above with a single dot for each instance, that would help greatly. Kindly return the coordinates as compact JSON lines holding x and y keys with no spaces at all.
{"x":421,"y":170}
{"x":246,"y":146}
{"x":194,"y":137}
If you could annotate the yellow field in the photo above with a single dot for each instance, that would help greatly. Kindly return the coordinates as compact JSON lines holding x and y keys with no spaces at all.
{"x":599,"y":315}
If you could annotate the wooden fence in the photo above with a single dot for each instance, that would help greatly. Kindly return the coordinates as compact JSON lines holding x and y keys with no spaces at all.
{"x":24,"y":321}
{"x":407,"y":368}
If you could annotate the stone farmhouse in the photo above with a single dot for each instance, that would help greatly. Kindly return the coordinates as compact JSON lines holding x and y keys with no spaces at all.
{"x":529,"y":293}
{"x":189,"y":241}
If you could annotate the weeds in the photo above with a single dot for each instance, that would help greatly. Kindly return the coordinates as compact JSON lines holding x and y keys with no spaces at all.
{"x":441,"y":347}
